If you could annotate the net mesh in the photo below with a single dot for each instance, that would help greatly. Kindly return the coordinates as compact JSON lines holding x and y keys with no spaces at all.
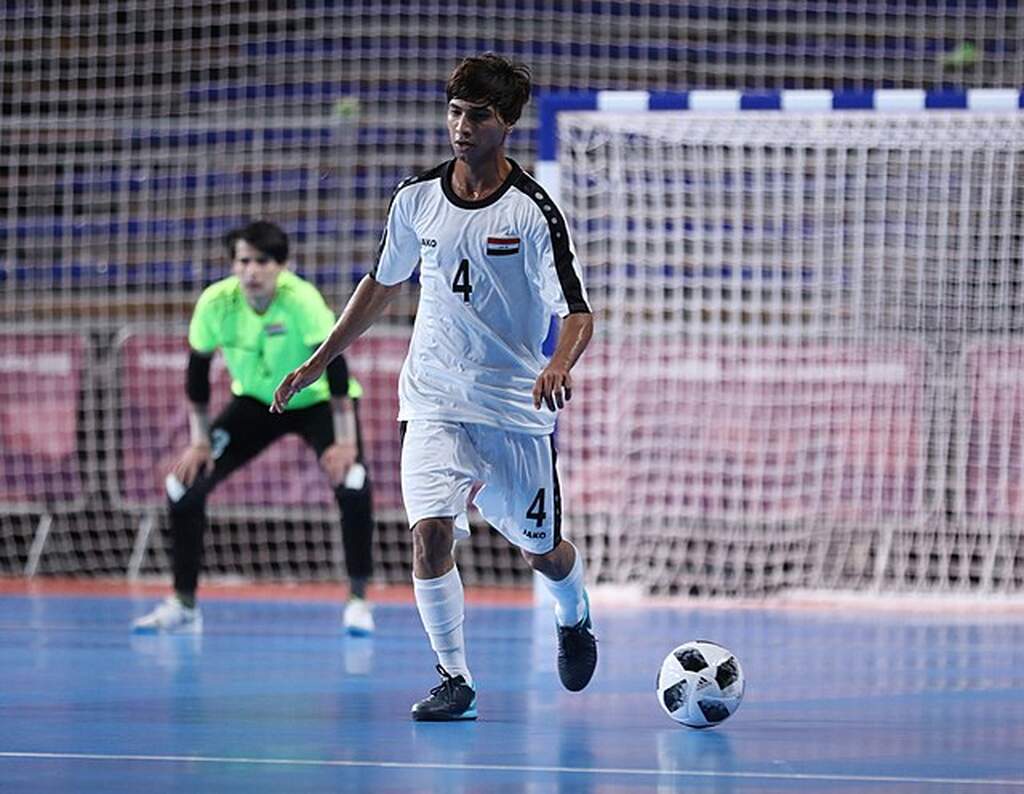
{"x":809,"y":364}
{"x":133,"y":134}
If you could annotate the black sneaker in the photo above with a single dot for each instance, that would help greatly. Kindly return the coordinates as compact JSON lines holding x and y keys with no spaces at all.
{"x":452,"y":699}
{"x":577,"y":652}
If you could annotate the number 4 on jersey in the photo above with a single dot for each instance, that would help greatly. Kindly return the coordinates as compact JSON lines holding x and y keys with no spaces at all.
{"x":461,"y":281}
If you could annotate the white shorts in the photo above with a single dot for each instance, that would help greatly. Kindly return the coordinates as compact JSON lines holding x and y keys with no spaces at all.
{"x":520,"y":497}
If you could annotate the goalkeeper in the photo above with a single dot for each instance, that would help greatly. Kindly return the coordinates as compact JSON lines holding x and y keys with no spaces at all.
{"x":266,"y":321}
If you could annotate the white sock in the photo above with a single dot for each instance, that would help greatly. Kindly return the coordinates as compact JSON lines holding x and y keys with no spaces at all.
{"x":441,"y":604}
{"x":570,"y":607}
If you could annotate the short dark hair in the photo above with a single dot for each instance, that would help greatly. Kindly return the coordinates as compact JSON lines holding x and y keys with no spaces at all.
{"x":492,"y":80}
{"x":266,"y":237}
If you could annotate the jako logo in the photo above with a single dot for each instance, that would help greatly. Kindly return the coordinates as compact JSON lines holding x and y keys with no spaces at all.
{"x":535,"y":535}
{"x":428,"y":243}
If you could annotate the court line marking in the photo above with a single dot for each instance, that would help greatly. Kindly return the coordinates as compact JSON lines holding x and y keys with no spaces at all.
{"x":701,"y":773}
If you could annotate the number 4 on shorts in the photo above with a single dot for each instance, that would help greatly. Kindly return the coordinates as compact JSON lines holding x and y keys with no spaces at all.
{"x":536,"y":509}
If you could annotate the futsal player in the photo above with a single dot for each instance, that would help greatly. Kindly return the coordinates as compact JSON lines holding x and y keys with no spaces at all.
{"x":265,"y":320}
{"x":478,"y":399}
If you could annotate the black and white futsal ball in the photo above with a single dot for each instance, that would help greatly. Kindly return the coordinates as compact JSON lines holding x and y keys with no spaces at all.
{"x":700,"y":684}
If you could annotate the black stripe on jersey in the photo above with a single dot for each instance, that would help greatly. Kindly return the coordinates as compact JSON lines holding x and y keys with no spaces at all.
{"x":556,"y":495}
{"x":434,"y":173}
{"x":571,"y":286}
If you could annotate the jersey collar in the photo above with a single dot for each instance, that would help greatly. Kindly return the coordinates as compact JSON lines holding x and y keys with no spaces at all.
{"x":449,"y":191}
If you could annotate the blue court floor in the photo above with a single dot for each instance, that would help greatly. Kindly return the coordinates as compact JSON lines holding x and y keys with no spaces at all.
{"x":274,"y":698}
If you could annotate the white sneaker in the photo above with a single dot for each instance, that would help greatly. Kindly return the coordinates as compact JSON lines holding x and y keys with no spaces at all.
{"x":358,"y":617}
{"x":170,"y":616}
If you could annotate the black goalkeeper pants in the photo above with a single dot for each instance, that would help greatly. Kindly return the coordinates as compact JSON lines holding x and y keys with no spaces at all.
{"x":239,"y":433}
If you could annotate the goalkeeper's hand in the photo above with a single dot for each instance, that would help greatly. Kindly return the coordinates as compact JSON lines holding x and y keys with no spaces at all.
{"x":338,"y":458}
{"x":553,"y":387}
{"x":194,"y":461}
{"x":294,"y":382}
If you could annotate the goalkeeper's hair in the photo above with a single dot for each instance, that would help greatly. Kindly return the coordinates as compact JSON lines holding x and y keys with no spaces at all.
{"x":266,"y":237}
{"x":492,"y":80}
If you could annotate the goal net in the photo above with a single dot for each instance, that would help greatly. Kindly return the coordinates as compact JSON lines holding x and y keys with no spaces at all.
{"x":809,"y":366}
{"x":134,"y":134}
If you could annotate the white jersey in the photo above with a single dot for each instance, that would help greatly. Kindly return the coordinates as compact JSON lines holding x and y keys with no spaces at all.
{"x":492,"y":273}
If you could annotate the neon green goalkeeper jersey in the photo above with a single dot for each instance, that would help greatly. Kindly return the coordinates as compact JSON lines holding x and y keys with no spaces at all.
{"x":260,"y":349}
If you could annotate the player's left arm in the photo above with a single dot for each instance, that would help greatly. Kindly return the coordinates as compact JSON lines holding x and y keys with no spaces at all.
{"x":562,"y":289}
{"x":553,"y":386}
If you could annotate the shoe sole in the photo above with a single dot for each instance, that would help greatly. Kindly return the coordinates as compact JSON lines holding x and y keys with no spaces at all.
{"x":468,"y":714}
{"x":157,"y":630}
{"x":465,"y":716}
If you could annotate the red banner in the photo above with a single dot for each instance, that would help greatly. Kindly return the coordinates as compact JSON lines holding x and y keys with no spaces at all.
{"x":40,"y":384}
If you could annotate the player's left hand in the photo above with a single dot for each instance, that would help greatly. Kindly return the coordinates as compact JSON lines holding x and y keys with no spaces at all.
{"x":337,"y":459}
{"x":553,"y":388}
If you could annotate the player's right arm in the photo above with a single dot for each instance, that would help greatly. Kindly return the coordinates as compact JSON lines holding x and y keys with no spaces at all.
{"x":398,"y":256}
{"x":198,"y":457}
{"x":203,"y":340}
{"x":362,"y":310}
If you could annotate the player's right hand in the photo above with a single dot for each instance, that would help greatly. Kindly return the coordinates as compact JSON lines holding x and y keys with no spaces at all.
{"x":294,"y":382}
{"x":196,"y":460}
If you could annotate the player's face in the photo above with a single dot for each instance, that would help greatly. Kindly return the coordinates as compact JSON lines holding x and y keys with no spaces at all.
{"x":256,"y":271}
{"x":475,"y":131}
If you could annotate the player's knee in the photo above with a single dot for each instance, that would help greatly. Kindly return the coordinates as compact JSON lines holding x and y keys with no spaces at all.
{"x":432,"y":540}
{"x":547,"y":564}
{"x":351,"y":496}
{"x":184,"y":501}
{"x":535,"y":561}
{"x":185,"y":507}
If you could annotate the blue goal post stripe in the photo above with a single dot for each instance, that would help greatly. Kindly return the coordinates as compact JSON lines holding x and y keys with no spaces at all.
{"x":896,"y":99}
